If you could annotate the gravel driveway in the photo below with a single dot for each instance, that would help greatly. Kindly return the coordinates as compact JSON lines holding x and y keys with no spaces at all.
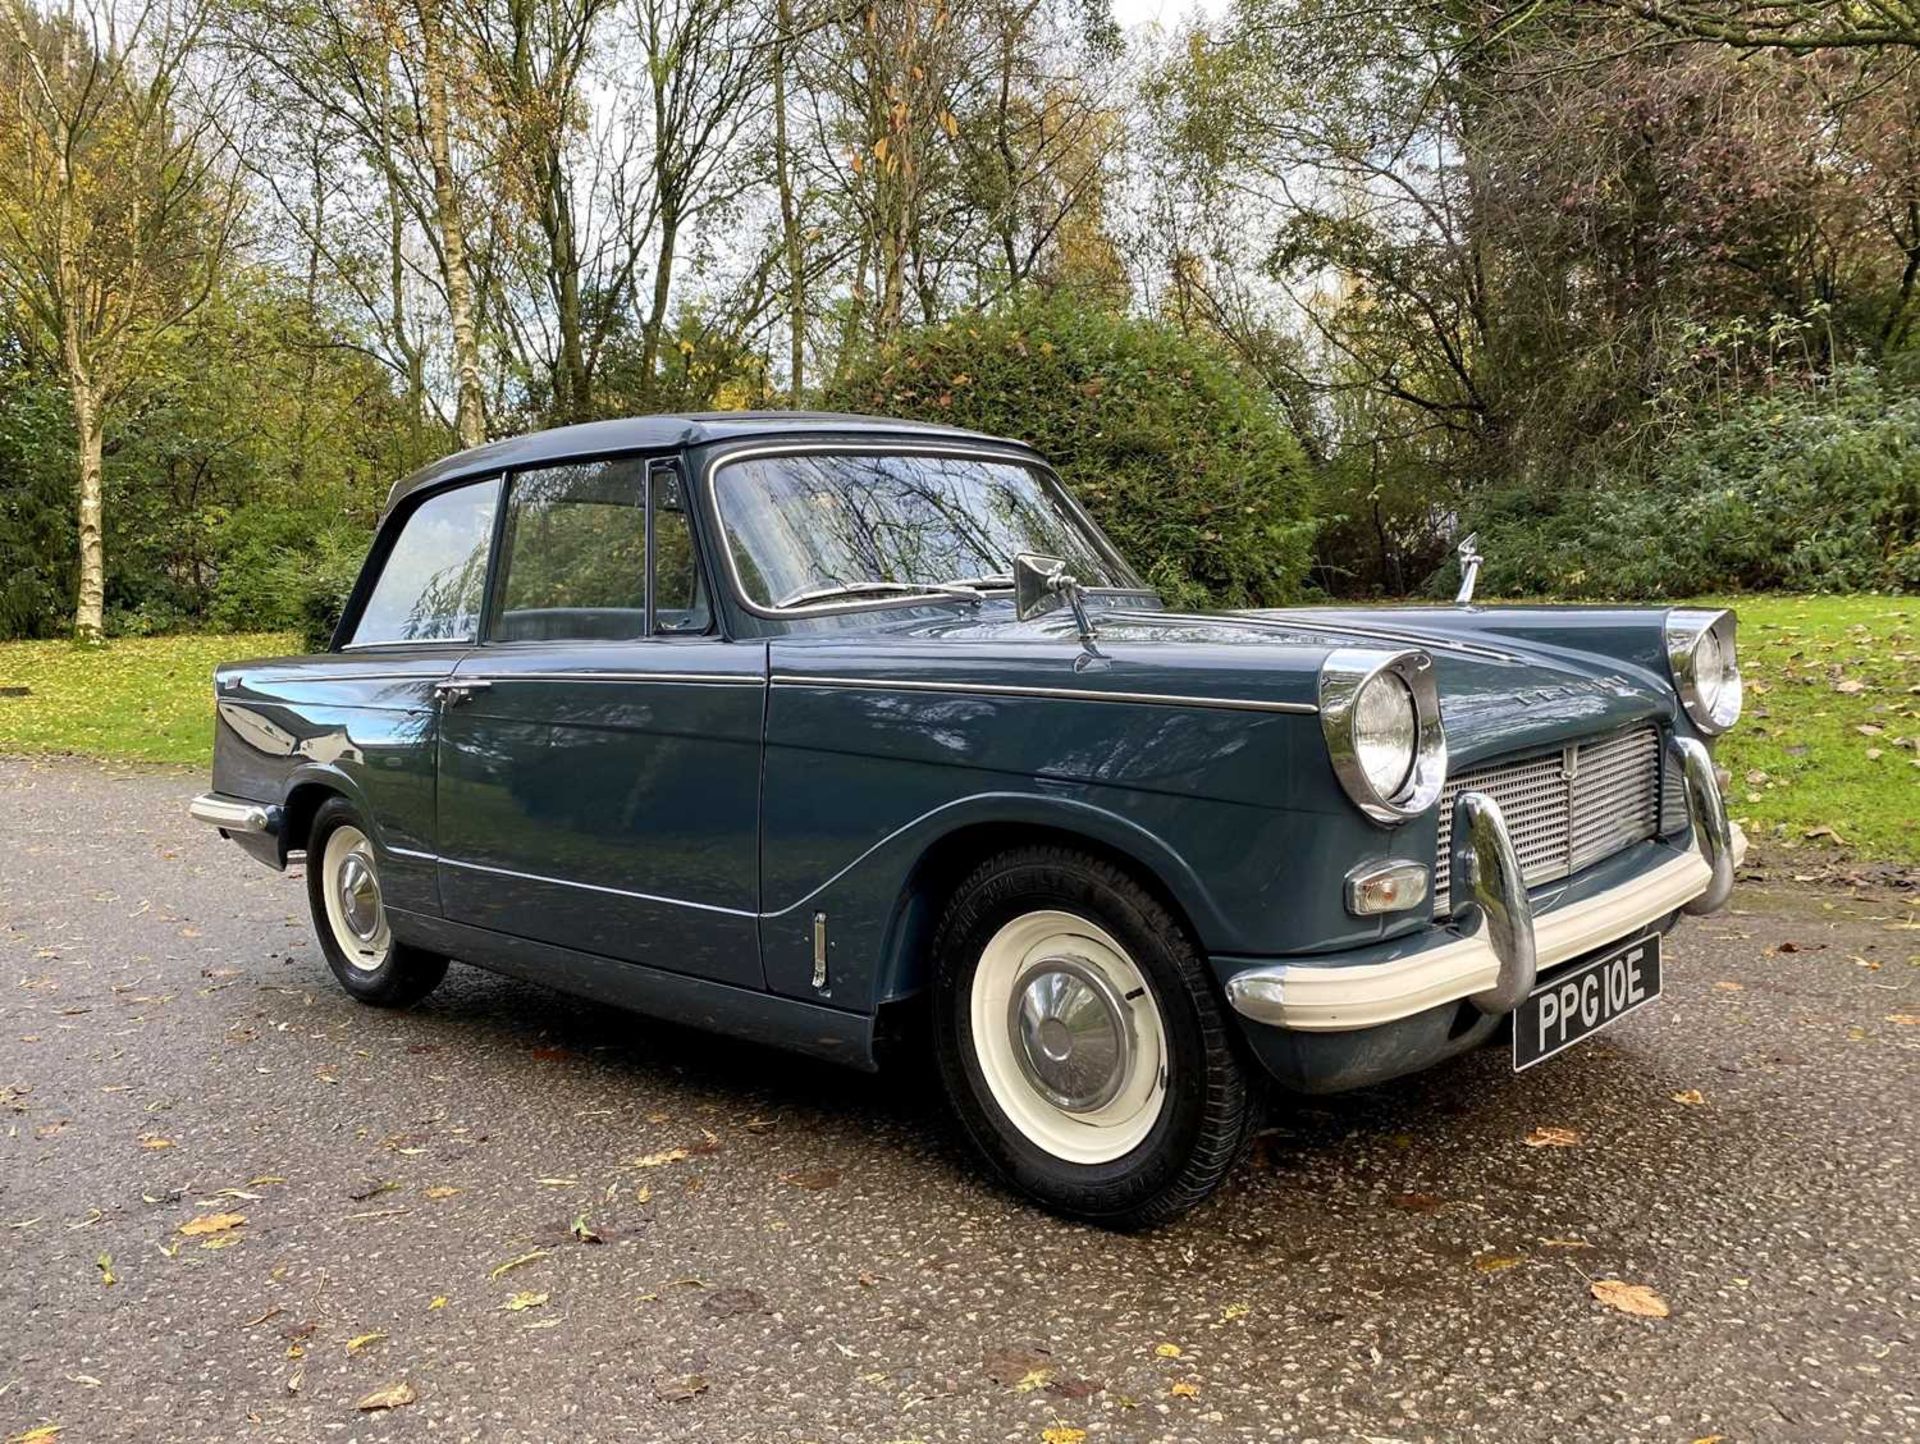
{"x":549,"y":1220}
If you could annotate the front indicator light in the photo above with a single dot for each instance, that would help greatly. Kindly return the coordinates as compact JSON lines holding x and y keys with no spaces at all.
{"x":1386,"y":887}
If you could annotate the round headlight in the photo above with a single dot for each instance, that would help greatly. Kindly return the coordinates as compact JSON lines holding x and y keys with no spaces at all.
{"x":1709,"y":668}
{"x":1706,"y":670}
{"x":1380,"y":715}
{"x":1385,"y":732}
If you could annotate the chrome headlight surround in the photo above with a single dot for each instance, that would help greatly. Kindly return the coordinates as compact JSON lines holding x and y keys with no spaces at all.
{"x":1695,"y":637}
{"x":1344,"y":676}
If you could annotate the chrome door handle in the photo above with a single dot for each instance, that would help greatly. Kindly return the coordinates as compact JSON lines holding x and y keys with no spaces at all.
{"x":455,"y":690}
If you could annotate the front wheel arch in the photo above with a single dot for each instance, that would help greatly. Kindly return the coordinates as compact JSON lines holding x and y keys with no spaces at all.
{"x":906,"y":964}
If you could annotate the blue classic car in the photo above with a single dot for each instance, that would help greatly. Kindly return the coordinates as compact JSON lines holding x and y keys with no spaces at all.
{"x":833,"y":732}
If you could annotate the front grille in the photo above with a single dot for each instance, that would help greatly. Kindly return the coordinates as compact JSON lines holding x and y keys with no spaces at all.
{"x":1565,"y":810}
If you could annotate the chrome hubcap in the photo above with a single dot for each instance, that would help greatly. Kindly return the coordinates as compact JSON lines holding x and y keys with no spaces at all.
{"x":1072,"y":1034}
{"x":359,"y":897}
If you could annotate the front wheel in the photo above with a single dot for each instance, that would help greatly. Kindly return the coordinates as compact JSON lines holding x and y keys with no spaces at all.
{"x":350,"y":915}
{"x":1081,"y":1043}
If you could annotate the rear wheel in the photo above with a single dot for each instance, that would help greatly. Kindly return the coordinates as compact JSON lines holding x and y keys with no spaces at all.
{"x":1081,"y":1043}
{"x":350,"y":915}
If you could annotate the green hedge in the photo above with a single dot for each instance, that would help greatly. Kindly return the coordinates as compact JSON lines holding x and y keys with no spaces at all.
{"x":1805,"y":491}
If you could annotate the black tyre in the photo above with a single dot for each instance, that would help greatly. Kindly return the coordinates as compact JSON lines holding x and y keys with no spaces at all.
{"x":350,"y":915}
{"x":1081,"y":1041}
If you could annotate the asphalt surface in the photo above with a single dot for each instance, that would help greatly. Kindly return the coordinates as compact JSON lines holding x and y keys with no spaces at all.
{"x":824,"y":1262}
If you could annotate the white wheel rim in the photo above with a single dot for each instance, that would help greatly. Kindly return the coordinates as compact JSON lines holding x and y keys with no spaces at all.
{"x":356,"y":913}
{"x":1068,"y":1035}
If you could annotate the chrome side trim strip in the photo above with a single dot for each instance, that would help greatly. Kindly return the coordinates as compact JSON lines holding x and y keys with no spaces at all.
{"x":596,"y":887}
{"x":1295,"y":617}
{"x":707,"y":679}
{"x":232,"y":815}
{"x":1069,"y":694}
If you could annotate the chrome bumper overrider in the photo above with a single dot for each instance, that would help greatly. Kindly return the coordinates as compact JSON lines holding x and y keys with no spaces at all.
{"x":1498,"y":945}
{"x":232,"y":815}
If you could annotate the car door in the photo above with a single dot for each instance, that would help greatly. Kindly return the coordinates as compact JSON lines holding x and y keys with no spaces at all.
{"x":599,"y":753}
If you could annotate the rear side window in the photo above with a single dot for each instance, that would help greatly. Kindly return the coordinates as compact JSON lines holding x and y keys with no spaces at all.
{"x":574,"y":554}
{"x":435,"y":578}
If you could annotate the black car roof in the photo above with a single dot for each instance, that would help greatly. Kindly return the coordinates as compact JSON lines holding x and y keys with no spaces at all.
{"x":666,"y":433}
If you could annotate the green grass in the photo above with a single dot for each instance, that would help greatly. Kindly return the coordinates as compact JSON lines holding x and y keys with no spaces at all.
{"x":1800,"y":759}
{"x":144,"y":699}
{"x":1809,"y":770}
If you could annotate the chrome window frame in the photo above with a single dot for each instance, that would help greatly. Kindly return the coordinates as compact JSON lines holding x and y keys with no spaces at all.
{"x":1008,"y":452}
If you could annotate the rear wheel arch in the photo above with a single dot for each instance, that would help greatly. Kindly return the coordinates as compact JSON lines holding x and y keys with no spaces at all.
{"x":297,"y":813}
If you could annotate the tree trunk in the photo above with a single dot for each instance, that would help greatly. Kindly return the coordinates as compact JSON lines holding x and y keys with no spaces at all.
{"x":471,"y":419}
{"x":653,"y":328}
{"x":89,"y":613}
{"x":789,"y":213}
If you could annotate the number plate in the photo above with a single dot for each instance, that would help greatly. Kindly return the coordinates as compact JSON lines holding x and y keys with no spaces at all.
{"x":1578,"y":1005}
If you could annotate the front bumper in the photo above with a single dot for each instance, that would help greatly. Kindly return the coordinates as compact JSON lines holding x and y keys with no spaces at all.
{"x":1495,"y":947}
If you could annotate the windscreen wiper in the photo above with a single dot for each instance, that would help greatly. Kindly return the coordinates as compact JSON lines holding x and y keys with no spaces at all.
{"x":861,"y":589}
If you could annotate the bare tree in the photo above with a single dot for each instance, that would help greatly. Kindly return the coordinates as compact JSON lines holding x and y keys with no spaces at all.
{"x":117,"y":209}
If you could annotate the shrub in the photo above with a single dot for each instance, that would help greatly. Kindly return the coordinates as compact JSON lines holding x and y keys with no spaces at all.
{"x":1807,"y":491}
{"x":1189,"y":469}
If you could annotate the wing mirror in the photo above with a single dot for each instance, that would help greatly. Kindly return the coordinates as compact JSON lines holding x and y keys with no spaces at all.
{"x":1041,"y":583}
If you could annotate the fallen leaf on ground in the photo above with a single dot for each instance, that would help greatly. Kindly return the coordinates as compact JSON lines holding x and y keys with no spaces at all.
{"x":519,"y":1303}
{"x":439,"y":1302}
{"x":212,"y":1223}
{"x":759,"y":1125}
{"x":1630,"y":1298}
{"x":1814,"y":834}
{"x":1013,"y":1365}
{"x":1183,"y":1390}
{"x":391,"y":1397}
{"x":1726,"y":986}
{"x":1167,"y":1351}
{"x":373,"y":1188}
{"x":1419,"y":1202}
{"x":1552,"y":1137}
{"x":520,"y":1262}
{"x":812,"y":1178}
{"x":360,"y":1341}
{"x":1905,"y":1020}
{"x":105,"y":1264}
{"x":679,"y":1388}
{"x":1060,"y":1434}
{"x":441,"y":1190}
{"x":1692,"y":1097}
{"x":1849,"y":686}
{"x":584,"y":1231}
{"x":665,"y":1155}
{"x":1493,"y":1263}
{"x":35,"y":1436}
{"x":154,"y":1142}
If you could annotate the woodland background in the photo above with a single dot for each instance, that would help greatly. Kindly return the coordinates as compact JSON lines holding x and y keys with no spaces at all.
{"x":1295,"y":292}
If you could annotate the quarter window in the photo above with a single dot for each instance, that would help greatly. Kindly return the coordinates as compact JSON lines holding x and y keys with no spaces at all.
{"x":679,"y":601}
{"x":430,"y":588}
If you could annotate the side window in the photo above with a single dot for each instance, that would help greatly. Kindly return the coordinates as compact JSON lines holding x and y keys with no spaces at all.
{"x":574,"y":554}
{"x":679,"y":601}
{"x":430,"y":588}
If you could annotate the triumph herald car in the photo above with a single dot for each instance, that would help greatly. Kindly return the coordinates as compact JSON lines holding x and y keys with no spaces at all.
{"x":842,"y":733}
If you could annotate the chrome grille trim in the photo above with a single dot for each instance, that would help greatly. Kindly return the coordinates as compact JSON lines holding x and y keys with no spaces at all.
{"x":1566,"y":810}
